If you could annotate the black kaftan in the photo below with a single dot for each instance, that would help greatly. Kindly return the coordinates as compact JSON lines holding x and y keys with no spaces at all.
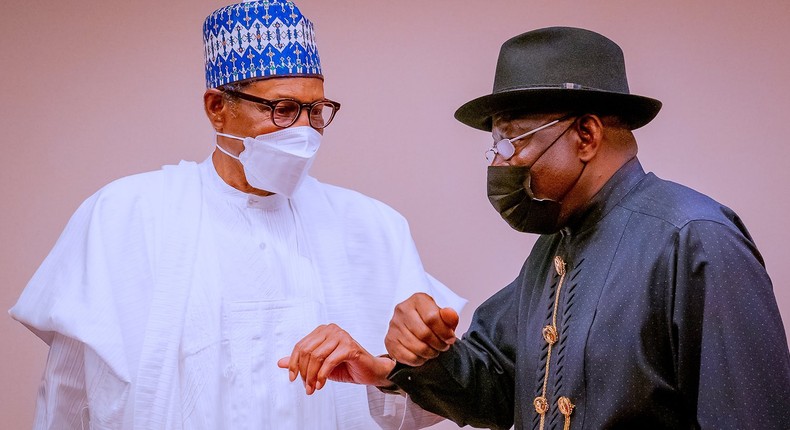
{"x":665,"y":318}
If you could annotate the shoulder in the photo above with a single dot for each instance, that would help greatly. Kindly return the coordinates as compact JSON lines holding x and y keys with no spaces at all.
{"x":128,"y":192}
{"x":144,"y":182}
{"x":355,"y":205}
{"x":697,"y":221}
{"x":141,"y":191}
{"x":132,"y":185}
{"x":675,"y":204}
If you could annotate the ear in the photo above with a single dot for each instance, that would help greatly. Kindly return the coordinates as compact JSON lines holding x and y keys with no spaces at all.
{"x":216,"y":108}
{"x":590,"y":130}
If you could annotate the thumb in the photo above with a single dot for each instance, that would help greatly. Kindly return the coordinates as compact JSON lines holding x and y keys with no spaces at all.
{"x":449,"y":316}
{"x":283,"y":362}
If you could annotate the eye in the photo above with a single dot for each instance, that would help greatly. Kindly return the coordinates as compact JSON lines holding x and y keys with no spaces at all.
{"x":285,"y":109}
{"x":321,"y":114}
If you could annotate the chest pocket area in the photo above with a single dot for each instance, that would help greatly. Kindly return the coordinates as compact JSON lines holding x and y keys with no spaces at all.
{"x":256,"y":393}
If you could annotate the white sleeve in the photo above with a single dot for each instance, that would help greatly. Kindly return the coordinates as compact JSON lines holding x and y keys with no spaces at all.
{"x":395,"y":412}
{"x":443,"y":296}
{"x":62,"y":401}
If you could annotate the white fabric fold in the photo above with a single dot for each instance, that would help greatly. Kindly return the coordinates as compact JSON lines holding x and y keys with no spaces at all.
{"x":134,"y":281}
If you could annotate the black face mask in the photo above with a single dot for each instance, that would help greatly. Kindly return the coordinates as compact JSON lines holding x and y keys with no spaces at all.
{"x":511,"y":196}
{"x":510,"y":193}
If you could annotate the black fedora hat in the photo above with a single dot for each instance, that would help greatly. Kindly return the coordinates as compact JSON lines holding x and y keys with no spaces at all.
{"x":560,"y":69}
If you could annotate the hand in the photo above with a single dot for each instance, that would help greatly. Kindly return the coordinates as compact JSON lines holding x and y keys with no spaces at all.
{"x":420,"y":330}
{"x":329,"y":352}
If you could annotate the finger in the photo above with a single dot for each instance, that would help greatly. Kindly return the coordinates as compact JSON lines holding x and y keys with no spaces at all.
{"x":315,"y":347}
{"x":412,"y":345}
{"x":410,"y":339}
{"x":431,"y":316}
{"x":402,"y":354}
{"x":304,"y":362}
{"x":416,"y":315}
{"x":293,"y":363}
{"x":317,"y":361}
{"x":335,"y":358}
{"x":283,"y":363}
{"x":308,"y":342}
{"x":450,"y":318}
{"x":420,"y":333}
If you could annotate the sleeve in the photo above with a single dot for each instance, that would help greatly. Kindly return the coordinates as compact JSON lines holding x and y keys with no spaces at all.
{"x":444,"y":296}
{"x":92,"y":283}
{"x":71,"y":292}
{"x":732,"y":355}
{"x":92,"y":290}
{"x":473,"y":382}
{"x":62,"y":402}
{"x":78,"y":390}
{"x":396,"y":412}
{"x":412,"y":276}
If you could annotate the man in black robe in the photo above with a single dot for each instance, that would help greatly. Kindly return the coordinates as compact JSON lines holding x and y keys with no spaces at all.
{"x":644,"y":304}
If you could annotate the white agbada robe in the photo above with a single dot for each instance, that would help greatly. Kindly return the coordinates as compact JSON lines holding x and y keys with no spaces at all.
{"x":170,"y":296}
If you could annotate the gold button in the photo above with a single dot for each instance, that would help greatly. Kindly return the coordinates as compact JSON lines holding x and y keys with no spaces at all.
{"x":559,"y":265}
{"x":550,"y":334}
{"x":565,"y":405}
{"x":541,"y":405}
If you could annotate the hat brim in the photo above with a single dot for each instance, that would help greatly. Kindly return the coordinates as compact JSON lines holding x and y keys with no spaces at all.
{"x":635,"y":110}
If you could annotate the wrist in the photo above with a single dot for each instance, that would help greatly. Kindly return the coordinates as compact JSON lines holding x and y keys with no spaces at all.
{"x":386,"y":364}
{"x":385,"y":385}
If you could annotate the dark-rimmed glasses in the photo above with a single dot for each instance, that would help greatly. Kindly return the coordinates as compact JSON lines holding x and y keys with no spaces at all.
{"x":505,"y":147}
{"x":284,"y":112}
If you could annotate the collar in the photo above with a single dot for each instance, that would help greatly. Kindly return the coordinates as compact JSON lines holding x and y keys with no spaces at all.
{"x":238,"y":198}
{"x":609,"y":196}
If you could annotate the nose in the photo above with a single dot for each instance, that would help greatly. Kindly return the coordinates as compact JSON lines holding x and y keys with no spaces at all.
{"x":499,"y":160}
{"x":304,"y":117}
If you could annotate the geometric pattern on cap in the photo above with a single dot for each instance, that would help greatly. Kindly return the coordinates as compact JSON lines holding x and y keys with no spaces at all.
{"x":258,"y":39}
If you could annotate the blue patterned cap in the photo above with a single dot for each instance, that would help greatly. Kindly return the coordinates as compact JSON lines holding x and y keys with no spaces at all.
{"x":259,"y":39}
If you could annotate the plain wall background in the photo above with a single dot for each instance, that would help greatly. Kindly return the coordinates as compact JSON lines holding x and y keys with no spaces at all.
{"x":95,"y":90}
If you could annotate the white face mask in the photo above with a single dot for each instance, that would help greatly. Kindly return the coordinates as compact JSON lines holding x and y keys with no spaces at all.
{"x":278,"y":162}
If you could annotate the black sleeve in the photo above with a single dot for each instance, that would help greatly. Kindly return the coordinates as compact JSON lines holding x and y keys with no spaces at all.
{"x":473,"y":382}
{"x":732,"y":355}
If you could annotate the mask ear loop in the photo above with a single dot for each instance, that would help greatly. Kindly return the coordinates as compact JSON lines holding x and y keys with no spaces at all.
{"x":584,"y":166}
{"x":230,"y":136}
{"x":555,"y":140}
{"x":528,"y":181}
{"x":223,"y":150}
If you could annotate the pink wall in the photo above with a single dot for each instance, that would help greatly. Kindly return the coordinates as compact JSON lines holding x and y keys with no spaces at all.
{"x":94,"y":90}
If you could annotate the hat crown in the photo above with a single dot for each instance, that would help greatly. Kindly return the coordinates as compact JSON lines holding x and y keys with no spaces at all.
{"x":258,"y":39}
{"x":561,"y":57}
{"x":560,"y":69}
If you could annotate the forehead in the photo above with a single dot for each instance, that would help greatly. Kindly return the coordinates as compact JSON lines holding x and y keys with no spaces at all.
{"x":299,"y":88}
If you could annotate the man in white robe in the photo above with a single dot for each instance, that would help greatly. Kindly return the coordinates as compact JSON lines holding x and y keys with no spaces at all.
{"x":170,"y":295}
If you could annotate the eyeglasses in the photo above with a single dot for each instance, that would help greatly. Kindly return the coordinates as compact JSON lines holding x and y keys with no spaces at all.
{"x":505,"y":147}
{"x":284,"y":112}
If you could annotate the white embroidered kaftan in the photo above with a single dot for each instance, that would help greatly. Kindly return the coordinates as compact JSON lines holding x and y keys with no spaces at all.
{"x":170,"y":296}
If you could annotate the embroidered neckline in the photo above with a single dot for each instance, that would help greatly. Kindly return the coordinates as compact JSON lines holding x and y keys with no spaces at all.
{"x":551,"y":336}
